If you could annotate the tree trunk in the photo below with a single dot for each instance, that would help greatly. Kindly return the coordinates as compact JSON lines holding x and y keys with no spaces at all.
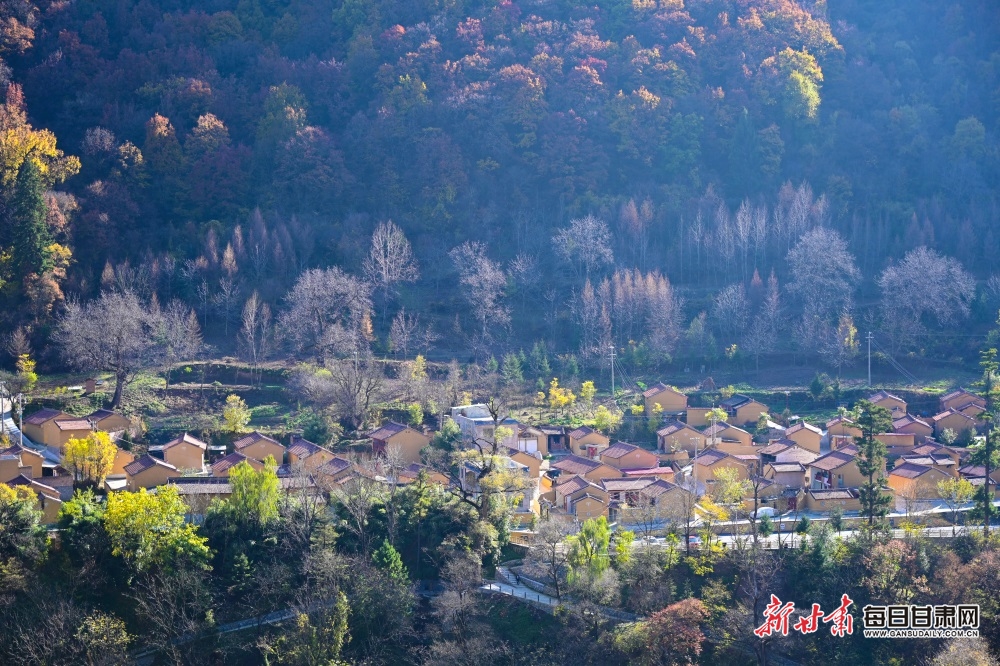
{"x":119,"y":389}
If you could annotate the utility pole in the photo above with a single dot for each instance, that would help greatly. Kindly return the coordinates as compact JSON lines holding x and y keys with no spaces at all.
{"x":612,"y":371}
{"x":20,"y":417}
{"x":869,"y":359}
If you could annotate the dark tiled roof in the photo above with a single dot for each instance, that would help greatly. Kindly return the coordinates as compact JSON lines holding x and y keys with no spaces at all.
{"x":101,"y":414}
{"x":802,"y":425}
{"x":883,"y":395}
{"x":252,"y":438}
{"x":833,"y":494}
{"x":144,"y":463}
{"x":735,"y":401}
{"x":618,"y":450}
{"x":573,"y":485}
{"x":45,"y":415}
{"x":840,"y":420}
{"x":303,"y":448}
{"x":675,"y":426}
{"x":950,"y":412}
{"x":909,"y":470}
{"x":336,"y":465}
{"x":908,"y":419}
{"x":774,"y":448}
{"x":710,"y":457}
{"x":576,"y":465}
{"x":659,"y":388}
{"x":35,"y":485}
{"x":832,"y":460}
{"x":582,"y":431}
{"x":657,"y":488}
{"x":387,"y":430}
{"x":960,"y":392}
{"x":73,"y":424}
{"x":225,"y":464}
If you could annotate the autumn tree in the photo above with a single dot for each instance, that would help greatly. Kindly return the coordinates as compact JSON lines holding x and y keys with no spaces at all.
{"x":235,"y":414}
{"x":585,"y":244}
{"x":90,"y":459}
{"x":673,"y":635}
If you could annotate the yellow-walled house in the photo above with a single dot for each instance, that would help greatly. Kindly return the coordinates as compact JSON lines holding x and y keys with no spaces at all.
{"x":532,"y":440}
{"x":26,"y":459}
{"x":842,"y":426}
{"x":953,"y":420}
{"x":825,"y":500}
{"x":670,"y":400}
{"x":392,"y":435}
{"x":895,"y":404}
{"x":743,"y":409}
{"x":532,"y":461}
{"x":109,"y":421}
{"x":49,"y":499}
{"x":916,"y":482}
{"x":302,"y":452}
{"x":711,"y":461}
{"x":958,"y":399}
{"x":260,"y":447}
{"x":697,"y":416}
{"x":723,"y":432}
{"x":677,"y":436}
{"x":40,"y":427}
{"x":911,"y":425}
{"x":592,"y":470}
{"x":587,"y":442}
{"x":123,"y":458}
{"x":805,"y":436}
{"x":185,"y":452}
{"x":837,"y":469}
{"x":148,"y":472}
{"x":628,"y":456}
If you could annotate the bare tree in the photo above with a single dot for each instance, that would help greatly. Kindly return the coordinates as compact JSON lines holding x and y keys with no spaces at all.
{"x":762,"y":336}
{"x":524,"y":270}
{"x":402,"y":332}
{"x":730,"y":309}
{"x":390,"y":260}
{"x":484,"y":281}
{"x":355,"y":387}
{"x":115,"y":333}
{"x":225,"y":300}
{"x":256,"y":334}
{"x":924,"y":285}
{"x":585,"y":244}
{"x":326,"y":308}
{"x":824,"y":274}
{"x":549,"y":551}
{"x":179,"y":335}
{"x":357,"y":498}
{"x":17,"y":343}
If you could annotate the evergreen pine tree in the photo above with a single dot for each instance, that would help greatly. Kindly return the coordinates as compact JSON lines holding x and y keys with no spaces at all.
{"x":31,"y":237}
{"x":387,"y":559}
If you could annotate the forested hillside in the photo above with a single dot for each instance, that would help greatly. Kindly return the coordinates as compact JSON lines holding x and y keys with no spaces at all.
{"x":633,"y":171}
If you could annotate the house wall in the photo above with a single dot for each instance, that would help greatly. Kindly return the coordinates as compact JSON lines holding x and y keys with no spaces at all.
{"x":122,"y":458}
{"x":579,"y":446}
{"x":668,"y":400}
{"x":10,"y":468}
{"x":534,"y":464}
{"x":897,"y":439}
{"x":43,"y":434}
{"x":318,"y":459}
{"x":114,"y":423}
{"x":681,"y":440}
{"x":749,"y":413}
{"x":960,"y":400}
{"x":50,"y":507}
{"x":736,"y":448}
{"x":806,"y":439}
{"x":786,"y":479}
{"x":541,"y":440}
{"x":262,"y":449}
{"x":812,"y":504}
{"x":842,"y":429}
{"x":154,"y":476}
{"x":185,"y":456}
{"x":602,"y":472}
{"x":589,"y":507}
{"x":738,"y":434}
{"x":410,"y":442}
{"x":850,"y":473}
{"x":697,"y":416}
{"x":710,"y":470}
{"x":919,"y":432}
{"x":956,"y":422}
{"x":32,"y":460}
{"x":255,"y":464}
{"x":892,"y":404}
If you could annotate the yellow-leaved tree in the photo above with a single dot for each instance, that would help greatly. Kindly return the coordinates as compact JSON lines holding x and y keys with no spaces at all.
{"x":90,"y":459}
{"x":236,"y":414}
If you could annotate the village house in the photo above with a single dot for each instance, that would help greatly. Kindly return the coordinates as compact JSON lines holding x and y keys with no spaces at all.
{"x":585,"y":441}
{"x":953,"y":420}
{"x":677,"y":436}
{"x":413,"y":472}
{"x":670,"y":400}
{"x":305,"y":454}
{"x":786,"y":474}
{"x":337,"y":470}
{"x":410,"y":442}
{"x":661,"y":472}
{"x":624,"y":456}
{"x":525,"y":500}
{"x":895,"y":404}
{"x":148,"y":472}
{"x":970,"y":472}
{"x":842,"y":426}
{"x":477,"y":425}
{"x":53,"y":428}
{"x":556,"y":438}
{"x":960,"y":398}
{"x":532,"y":461}
{"x":911,"y":425}
{"x":710,"y":461}
{"x":938,"y":461}
{"x":641,"y":500}
{"x":840,"y":441}
{"x":697,"y":416}
{"x":915,"y":486}
{"x":837,"y":469}
{"x":743,"y":409}
{"x":582,"y":499}
{"x":806,"y":436}
{"x":49,"y":499}
{"x":260,"y":447}
{"x":931,"y":448}
{"x":122,"y":459}
{"x":223,"y":466}
{"x":185,"y":453}
{"x":29,"y":462}
{"x":722,"y":434}
{"x":11,"y":467}
{"x":824,"y":501}
{"x":110,"y":422}
{"x":532,"y":440}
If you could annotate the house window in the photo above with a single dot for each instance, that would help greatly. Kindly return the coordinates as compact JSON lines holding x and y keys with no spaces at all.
{"x":591,"y":451}
{"x":840,"y":480}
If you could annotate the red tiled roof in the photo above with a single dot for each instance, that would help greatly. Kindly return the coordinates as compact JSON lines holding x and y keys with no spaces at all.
{"x":802,"y":425}
{"x":144,"y":463}
{"x":883,"y":395}
{"x":336,"y":465}
{"x":908,"y":419}
{"x":659,"y":388}
{"x":73,"y":424}
{"x":774,"y":448}
{"x":186,"y":439}
{"x":657,"y":488}
{"x":582,"y":431}
{"x":253,"y":438}
{"x":675,"y":426}
{"x":946,"y":414}
{"x":710,"y":457}
{"x":387,"y":430}
{"x":573,"y":485}
{"x":838,"y":420}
